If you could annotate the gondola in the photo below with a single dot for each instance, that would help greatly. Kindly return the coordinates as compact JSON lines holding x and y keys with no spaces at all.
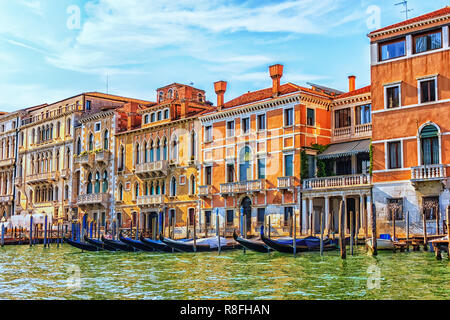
{"x":302,"y":245}
{"x":139,"y":245}
{"x":253,"y":245}
{"x":99,"y":244}
{"x":81,"y":245}
{"x":119,"y":245}
{"x":202,"y":245}
{"x":157,"y":245}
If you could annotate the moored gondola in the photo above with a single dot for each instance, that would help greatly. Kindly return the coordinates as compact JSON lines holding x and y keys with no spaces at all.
{"x":157,"y":245}
{"x":253,"y":245}
{"x":139,"y":245}
{"x":99,"y":244}
{"x":202,"y":245}
{"x":119,"y":245}
{"x":81,"y":245}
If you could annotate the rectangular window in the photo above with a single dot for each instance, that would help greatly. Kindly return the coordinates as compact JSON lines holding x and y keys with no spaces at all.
{"x":245,"y":125}
{"x":261,"y":122}
{"x":146,"y":119}
{"x":230,"y":173}
{"x":310,"y":117}
{"x":394,"y":155}
{"x":152,"y":117}
{"x":430,"y":206}
{"x":208,"y":175}
{"x":363,"y":114}
{"x":98,"y":127}
{"x":342,"y":118}
{"x":261,"y":215}
{"x":393,"y":50}
{"x":288,"y":213}
{"x":261,"y":168}
{"x":230,"y":217}
{"x":428,"y":41}
{"x":395,"y":209}
{"x":392,"y":97}
{"x":427,"y":91}
{"x":88,"y":105}
{"x":230,"y":129}
{"x":208,"y":219}
{"x":288,"y":117}
{"x":208,"y":133}
{"x":288,"y":165}
{"x":159,"y":116}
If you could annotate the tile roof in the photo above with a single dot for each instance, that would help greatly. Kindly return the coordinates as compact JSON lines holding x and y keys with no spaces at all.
{"x":430,"y":15}
{"x":355,"y":92}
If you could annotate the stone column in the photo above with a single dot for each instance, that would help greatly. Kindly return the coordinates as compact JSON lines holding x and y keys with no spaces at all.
{"x":369,"y":212}
{"x":304,"y":216}
{"x":362,"y":216}
{"x":311,"y":211}
{"x":327,"y":214}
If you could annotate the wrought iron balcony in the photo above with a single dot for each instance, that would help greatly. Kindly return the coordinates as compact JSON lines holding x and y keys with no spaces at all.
{"x":151,"y":200}
{"x":151,"y":169}
{"x":94,"y":199}
{"x":337,"y":182}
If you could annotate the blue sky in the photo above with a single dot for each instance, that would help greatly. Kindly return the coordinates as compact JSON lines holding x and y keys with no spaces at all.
{"x":145,"y":44}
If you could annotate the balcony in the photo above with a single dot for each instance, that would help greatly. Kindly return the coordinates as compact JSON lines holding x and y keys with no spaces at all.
{"x":356,"y":131}
{"x":42,"y":177}
{"x":18,"y":181}
{"x":6,"y":199}
{"x":65,"y":173}
{"x":102,"y":156}
{"x":242,"y":187}
{"x":85,"y":160}
{"x":151,"y":201}
{"x":7,"y":162}
{"x":435,"y":172}
{"x":286,"y":183}
{"x":205,"y":191}
{"x":350,"y":181}
{"x":93,"y":200}
{"x":152,"y":169}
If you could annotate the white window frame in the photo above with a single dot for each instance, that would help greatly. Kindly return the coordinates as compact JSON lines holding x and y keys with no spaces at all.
{"x":284,"y":117}
{"x":100,"y":126}
{"x":393,"y":85}
{"x":234,"y":129}
{"x":208,"y":139}
{"x":423,"y":79}
{"x":168,"y":114}
{"x":249,"y":125}
{"x":386,"y":155}
{"x":315,"y":117}
{"x":265,"y":121}
{"x":291,"y":153}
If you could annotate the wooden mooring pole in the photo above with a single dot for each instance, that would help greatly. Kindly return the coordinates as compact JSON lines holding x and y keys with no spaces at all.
{"x":352,"y":234}
{"x":195,"y":232}
{"x":31,"y":231}
{"x":321,"y":232}
{"x":218,"y":231}
{"x":448,"y":231}
{"x":294,"y":235}
{"x":407,"y":230}
{"x":3,"y":235}
{"x":425,"y":240}
{"x":374,"y":230}
{"x":342,"y":230}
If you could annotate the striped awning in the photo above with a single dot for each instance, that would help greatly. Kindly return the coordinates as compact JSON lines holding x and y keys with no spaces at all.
{"x":345,"y":149}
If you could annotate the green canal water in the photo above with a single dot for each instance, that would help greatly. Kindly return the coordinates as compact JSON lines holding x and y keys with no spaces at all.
{"x":66,"y":273}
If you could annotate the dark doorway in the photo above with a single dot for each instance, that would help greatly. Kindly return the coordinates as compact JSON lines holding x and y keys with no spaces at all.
{"x":153,"y":225}
{"x":351,"y":207}
{"x":247,"y":218}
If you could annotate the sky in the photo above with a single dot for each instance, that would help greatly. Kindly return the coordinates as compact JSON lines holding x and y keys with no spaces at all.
{"x":54,"y":49}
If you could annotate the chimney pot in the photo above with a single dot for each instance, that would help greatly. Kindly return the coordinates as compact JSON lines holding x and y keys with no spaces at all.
{"x":351,"y":83}
{"x":220,"y":87}
{"x":276,"y":72}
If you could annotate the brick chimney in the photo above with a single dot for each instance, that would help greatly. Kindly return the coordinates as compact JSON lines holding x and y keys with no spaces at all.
{"x":220,"y":87}
{"x":276,"y":72}
{"x":351,"y":83}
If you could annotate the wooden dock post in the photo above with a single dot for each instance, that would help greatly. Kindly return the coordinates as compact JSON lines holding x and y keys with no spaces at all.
{"x":311,"y":228}
{"x":352,"y":233}
{"x":3,"y":235}
{"x":195,"y":233}
{"x":270,"y":227}
{"x":393,"y":224}
{"x":294,"y":234}
{"x":374,"y":230}
{"x":218,"y":230}
{"x":31,"y":231}
{"x":342,"y":231}
{"x":321,"y":231}
{"x":357,"y":220}
{"x":424,"y":221}
{"x":407,"y":230}
{"x":448,"y":231}
{"x":45,"y":230}
{"x":437,"y":220}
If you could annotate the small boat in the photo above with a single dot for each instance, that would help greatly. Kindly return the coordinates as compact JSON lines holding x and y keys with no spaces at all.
{"x":81,"y":245}
{"x":99,"y":244}
{"x":253,"y":245}
{"x":302,"y":245}
{"x":202,"y":245}
{"x":119,"y":245}
{"x":139,"y":245}
{"x":382,"y":244}
{"x":156,"y":245}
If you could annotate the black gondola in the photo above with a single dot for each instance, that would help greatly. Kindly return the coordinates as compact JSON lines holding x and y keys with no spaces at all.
{"x":99,"y":244}
{"x":253,"y":245}
{"x":189,"y":246}
{"x":119,"y":245}
{"x":81,"y":245}
{"x":139,"y":245}
{"x":156,"y":245}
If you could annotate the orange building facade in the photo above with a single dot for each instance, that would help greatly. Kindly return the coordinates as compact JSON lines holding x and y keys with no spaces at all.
{"x":411,"y":130}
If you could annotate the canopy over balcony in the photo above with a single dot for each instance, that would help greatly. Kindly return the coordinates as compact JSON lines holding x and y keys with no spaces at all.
{"x":344,"y":149}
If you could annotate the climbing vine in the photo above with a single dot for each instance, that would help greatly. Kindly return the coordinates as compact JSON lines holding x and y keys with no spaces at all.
{"x":304,"y":168}
{"x":371,"y":157}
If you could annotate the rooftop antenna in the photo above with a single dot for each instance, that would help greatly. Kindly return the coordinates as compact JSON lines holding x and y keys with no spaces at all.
{"x":405,"y":4}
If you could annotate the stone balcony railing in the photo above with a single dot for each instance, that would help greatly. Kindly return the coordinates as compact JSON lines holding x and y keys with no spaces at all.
{"x":93,"y":199}
{"x":7,"y":162}
{"x":85,"y":160}
{"x":205,"y":191}
{"x":286,"y":182}
{"x":102,"y":156}
{"x":428,"y":173}
{"x":18,"y":180}
{"x":152,"y":168}
{"x":42,"y":177}
{"x":242,"y":187}
{"x":356,"y":131}
{"x":6,"y":199}
{"x":151,"y":200}
{"x":337,"y":182}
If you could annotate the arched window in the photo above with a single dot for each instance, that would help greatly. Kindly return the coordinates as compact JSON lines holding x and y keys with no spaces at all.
{"x":58,"y":129}
{"x":158,"y":188}
{"x":89,"y":184}
{"x":146,"y":188}
{"x":120,"y":192}
{"x":245,"y":169}
{"x":136,"y":190}
{"x":152,"y":154}
{"x":166,"y":114}
{"x":106,"y":140}
{"x":193,"y":145}
{"x":165,"y":149}
{"x":152,"y":189}
{"x":78,"y":146}
{"x":137,"y":154}
{"x":174,"y":148}
{"x":66,"y":193}
{"x":170,"y":94}
{"x":56,"y":195}
{"x":122,"y":158}
{"x":192,"y":185}
{"x":163,"y":187}
{"x":105,"y":182}
{"x":91,"y":142}
{"x":429,"y":142}
{"x":152,"y":117}
{"x":97,"y":182}
{"x":200,"y":97}
{"x":161,"y":96}
{"x":173,"y":187}
{"x":145,"y":152}
{"x":158,"y":150}
{"x":159,"y":116}
{"x":69,"y":122}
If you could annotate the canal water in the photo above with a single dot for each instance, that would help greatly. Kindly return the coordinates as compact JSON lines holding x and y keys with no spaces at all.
{"x":66,"y":273}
